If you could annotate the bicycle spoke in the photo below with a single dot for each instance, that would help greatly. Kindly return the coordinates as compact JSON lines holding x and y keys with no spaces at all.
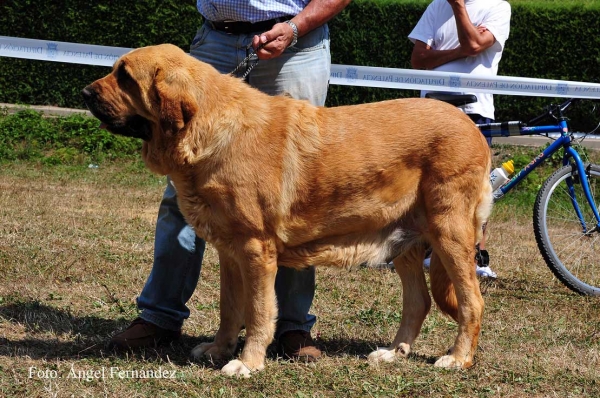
{"x":567,"y":243}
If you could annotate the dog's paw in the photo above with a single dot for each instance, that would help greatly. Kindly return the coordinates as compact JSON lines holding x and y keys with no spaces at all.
{"x":403,"y":350}
{"x":450,"y":362}
{"x":236,"y":368}
{"x":382,"y":355}
{"x":389,"y":354}
{"x":210,"y":350}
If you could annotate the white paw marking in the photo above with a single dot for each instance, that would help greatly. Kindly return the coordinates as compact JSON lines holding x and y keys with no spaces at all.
{"x":448,"y":361}
{"x":236,"y":368}
{"x":403,"y":350}
{"x":382,"y":355}
{"x":389,"y":354}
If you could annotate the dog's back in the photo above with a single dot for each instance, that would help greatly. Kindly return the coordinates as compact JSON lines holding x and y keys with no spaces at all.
{"x":368,"y":192}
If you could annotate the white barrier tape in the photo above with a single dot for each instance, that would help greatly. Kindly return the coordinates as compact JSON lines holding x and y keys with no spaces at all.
{"x":411,"y":79}
{"x":75,"y":53}
{"x":346,"y":75}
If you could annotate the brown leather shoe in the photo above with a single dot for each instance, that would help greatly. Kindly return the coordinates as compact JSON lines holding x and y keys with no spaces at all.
{"x":298,"y":345}
{"x":142,"y":334}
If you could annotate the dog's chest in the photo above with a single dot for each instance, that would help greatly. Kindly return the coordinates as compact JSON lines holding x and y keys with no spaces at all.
{"x":211,"y":210}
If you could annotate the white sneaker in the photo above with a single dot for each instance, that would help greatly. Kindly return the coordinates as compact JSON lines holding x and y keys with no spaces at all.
{"x":485,"y":272}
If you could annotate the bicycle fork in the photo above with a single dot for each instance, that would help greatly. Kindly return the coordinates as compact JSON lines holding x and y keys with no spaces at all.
{"x":583,"y":180}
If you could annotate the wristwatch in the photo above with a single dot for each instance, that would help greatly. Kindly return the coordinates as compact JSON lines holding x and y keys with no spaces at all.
{"x":295,"y":29}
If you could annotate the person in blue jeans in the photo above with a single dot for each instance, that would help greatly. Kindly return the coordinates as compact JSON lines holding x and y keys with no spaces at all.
{"x":291,"y":40}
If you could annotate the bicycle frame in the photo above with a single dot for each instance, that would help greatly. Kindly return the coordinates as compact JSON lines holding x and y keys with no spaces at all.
{"x":564,"y":141}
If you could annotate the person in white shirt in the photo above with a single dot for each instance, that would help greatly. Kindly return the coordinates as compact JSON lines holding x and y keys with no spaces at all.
{"x":464,"y":36}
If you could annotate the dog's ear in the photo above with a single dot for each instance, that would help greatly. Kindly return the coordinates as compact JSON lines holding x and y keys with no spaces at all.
{"x":176,"y":105}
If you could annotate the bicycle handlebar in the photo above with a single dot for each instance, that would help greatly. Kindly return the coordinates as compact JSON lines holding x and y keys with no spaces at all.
{"x":568,"y":103}
{"x":551,"y":108}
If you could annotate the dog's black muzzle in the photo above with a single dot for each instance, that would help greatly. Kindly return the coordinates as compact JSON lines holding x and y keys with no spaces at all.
{"x":135,"y":126}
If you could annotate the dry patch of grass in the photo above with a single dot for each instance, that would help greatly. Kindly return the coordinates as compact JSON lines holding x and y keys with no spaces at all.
{"x":75,"y":250}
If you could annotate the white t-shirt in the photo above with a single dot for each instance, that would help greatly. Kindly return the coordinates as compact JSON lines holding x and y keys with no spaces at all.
{"x":437,"y":28}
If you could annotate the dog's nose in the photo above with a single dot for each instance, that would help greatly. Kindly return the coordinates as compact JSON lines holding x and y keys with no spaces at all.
{"x":87,"y":93}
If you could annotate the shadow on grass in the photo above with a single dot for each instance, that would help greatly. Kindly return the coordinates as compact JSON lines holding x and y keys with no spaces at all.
{"x":66,"y":336}
{"x":362,"y":348}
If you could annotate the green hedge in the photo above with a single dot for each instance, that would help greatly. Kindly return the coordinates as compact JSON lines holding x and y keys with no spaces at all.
{"x":549,"y":39}
{"x":108,"y":23}
{"x":75,"y":139}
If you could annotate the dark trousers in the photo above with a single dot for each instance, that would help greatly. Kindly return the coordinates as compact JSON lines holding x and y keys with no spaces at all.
{"x":478,"y":119}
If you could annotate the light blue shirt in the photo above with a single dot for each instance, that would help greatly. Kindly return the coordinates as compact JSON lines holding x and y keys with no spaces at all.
{"x":248,"y":11}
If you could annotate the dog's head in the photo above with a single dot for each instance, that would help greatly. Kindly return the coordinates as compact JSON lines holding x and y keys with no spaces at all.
{"x":144,"y":91}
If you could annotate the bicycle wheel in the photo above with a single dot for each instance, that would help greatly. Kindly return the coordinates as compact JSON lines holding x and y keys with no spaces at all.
{"x":572,"y":253}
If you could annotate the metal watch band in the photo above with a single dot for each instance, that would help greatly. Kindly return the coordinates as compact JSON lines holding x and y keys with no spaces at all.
{"x":295,"y":30}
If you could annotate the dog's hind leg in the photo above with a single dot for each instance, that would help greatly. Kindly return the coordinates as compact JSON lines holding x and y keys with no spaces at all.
{"x":231,"y":312}
{"x":456,"y":250}
{"x":442,"y":288}
{"x":415,"y":304}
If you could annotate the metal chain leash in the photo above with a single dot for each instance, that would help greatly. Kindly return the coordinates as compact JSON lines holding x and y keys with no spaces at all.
{"x":249,"y":66}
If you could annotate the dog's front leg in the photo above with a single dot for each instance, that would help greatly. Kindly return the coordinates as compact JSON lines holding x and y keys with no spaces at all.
{"x":258,"y":269}
{"x":231,"y":312}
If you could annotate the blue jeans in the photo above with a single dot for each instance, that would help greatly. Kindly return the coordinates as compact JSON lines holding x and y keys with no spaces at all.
{"x":302,"y":71}
{"x":478,"y":119}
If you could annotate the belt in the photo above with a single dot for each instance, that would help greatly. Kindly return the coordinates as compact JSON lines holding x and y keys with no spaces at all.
{"x":241,"y":27}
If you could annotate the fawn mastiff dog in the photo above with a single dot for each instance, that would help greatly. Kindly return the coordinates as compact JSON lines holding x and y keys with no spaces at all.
{"x":274,"y":181}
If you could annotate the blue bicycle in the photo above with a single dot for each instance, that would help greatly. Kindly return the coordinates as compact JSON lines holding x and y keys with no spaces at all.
{"x":566,"y":221}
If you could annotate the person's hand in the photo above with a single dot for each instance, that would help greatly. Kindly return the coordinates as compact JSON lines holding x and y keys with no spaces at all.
{"x":274,"y":41}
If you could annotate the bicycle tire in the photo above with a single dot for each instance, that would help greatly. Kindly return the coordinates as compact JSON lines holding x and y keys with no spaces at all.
{"x":573,"y":257}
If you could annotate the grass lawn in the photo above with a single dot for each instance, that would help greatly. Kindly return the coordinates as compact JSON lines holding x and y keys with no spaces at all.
{"x":76,"y":247}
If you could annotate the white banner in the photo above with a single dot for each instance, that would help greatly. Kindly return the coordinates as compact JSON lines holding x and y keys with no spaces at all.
{"x":411,"y":79}
{"x":346,"y":75}
{"x":58,"y":51}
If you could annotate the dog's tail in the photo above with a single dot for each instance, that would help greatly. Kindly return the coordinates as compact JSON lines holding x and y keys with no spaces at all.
{"x":442,"y":288}
{"x":484,"y":206}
